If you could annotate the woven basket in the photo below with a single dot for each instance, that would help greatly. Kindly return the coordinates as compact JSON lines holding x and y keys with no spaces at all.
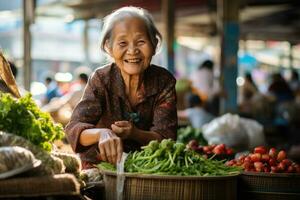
{"x":255,"y":186}
{"x":138,"y":186}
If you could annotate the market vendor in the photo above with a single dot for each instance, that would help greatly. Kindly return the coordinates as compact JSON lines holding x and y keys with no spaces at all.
{"x":128,"y":102}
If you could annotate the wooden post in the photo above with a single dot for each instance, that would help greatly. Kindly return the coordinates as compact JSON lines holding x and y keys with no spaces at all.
{"x":228,"y":16}
{"x":291,"y":57}
{"x":86,"y":43}
{"x":28,"y":18}
{"x":168,"y":15}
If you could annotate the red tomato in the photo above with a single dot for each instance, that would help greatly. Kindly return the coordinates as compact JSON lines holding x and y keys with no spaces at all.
{"x":247,"y":159}
{"x":287,"y":162}
{"x":220,"y":146}
{"x":248,"y":165}
{"x":272,"y":162}
{"x":229,"y":151}
{"x":281,"y":156}
{"x":274,"y":169}
{"x":209,"y":152}
{"x":199,"y":149}
{"x":267,"y":169}
{"x":265,"y":157}
{"x":193,"y":143}
{"x":242,"y":157}
{"x":258,"y":166}
{"x":260,"y":149}
{"x":272,"y":153}
{"x":290,"y":169}
{"x":281,"y":166}
{"x":206,"y":149}
{"x":255,"y":157}
{"x":297,"y":168}
{"x":230,"y":163}
{"x":217,"y":151}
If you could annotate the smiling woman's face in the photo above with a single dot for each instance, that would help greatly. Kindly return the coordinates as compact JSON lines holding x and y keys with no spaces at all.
{"x":131,"y":47}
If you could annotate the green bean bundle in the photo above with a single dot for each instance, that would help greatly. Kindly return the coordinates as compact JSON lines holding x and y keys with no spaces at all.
{"x":170,"y":158}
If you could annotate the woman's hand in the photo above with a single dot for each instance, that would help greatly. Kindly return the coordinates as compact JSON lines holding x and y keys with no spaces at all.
{"x":110,"y":146}
{"x":123,"y":129}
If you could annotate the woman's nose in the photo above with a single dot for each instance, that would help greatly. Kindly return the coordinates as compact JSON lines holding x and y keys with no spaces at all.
{"x":132,"y":49}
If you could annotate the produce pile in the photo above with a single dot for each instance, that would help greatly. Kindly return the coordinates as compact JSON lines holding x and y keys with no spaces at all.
{"x":170,"y":158}
{"x":188,"y":133}
{"x":15,"y":157}
{"x":217,"y":151}
{"x":267,"y":160}
{"x":23,"y":117}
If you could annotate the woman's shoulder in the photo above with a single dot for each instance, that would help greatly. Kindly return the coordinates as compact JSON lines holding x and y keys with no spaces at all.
{"x":103,"y":70}
{"x":158,"y":72}
{"x":102,"y":73}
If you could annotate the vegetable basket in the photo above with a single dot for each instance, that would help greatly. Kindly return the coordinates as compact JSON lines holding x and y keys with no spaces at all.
{"x":144,"y":186}
{"x":269,"y":186}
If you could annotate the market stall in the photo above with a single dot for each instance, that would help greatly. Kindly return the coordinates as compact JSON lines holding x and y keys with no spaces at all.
{"x":193,"y":167}
{"x":29,"y":166}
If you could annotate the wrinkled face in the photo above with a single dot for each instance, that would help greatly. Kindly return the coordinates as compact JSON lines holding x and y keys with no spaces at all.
{"x":131,"y":47}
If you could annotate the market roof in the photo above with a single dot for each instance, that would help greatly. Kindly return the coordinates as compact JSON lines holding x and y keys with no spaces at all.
{"x":260,"y":19}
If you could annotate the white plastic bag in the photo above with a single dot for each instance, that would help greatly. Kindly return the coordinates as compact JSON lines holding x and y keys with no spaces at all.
{"x":234,"y":131}
{"x":255,"y":132}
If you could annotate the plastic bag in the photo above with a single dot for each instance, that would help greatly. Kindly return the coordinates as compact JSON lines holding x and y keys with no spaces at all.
{"x":255,"y":132}
{"x":50,"y":164}
{"x":15,"y":158}
{"x":235,"y":132}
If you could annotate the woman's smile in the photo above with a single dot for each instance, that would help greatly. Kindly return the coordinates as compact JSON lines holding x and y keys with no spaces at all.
{"x":133,"y":60}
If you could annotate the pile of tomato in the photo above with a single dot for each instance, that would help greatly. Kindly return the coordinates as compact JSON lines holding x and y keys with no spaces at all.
{"x":263,"y":159}
{"x":211,"y":150}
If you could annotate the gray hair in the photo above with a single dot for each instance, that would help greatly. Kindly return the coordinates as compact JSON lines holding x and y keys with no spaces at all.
{"x":127,"y":12}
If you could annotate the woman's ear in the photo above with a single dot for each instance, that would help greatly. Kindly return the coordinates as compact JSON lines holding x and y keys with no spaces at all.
{"x":107,"y":47}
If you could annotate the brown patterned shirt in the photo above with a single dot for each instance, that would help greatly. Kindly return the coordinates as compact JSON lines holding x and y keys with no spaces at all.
{"x":104,"y":101}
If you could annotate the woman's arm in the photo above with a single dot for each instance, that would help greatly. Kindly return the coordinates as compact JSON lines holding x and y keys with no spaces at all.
{"x":85,"y":115}
{"x":110,"y":146}
{"x":89,"y":136}
{"x":127,"y":130}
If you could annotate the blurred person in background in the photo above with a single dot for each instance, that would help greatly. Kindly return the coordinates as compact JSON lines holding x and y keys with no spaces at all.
{"x":128,"y":102}
{"x":52,"y":90}
{"x":203,"y":80}
{"x":204,"y":84}
{"x":248,"y":92}
{"x":294,"y":82}
{"x":195,"y":113}
{"x":61,"y":108}
{"x":63,"y":80}
{"x":280,"y":89}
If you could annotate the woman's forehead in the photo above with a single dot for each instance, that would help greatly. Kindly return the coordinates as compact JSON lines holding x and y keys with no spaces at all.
{"x":131,"y":24}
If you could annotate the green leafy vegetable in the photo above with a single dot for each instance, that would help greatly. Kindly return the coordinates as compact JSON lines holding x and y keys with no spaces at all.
{"x":24,"y":118}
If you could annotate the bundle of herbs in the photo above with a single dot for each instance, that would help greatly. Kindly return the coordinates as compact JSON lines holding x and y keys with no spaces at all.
{"x":24,"y":118}
{"x":170,"y":158}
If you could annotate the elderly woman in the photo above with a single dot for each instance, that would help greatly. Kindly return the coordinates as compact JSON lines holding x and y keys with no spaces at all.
{"x":126,"y":103}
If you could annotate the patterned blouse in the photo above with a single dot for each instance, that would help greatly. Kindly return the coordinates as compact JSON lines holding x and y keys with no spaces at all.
{"x":104,"y":101}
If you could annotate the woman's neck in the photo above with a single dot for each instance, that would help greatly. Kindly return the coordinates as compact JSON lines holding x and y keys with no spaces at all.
{"x":132,"y":83}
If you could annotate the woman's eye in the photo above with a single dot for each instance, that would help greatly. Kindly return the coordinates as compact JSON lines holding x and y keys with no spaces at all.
{"x":140,"y":42}
{"x":122,"y":44}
